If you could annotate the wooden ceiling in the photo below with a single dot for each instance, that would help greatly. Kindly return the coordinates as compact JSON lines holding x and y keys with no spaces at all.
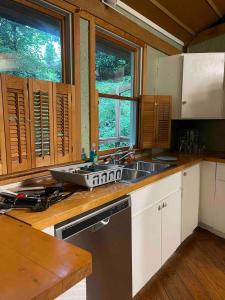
{"x":189,"y":20}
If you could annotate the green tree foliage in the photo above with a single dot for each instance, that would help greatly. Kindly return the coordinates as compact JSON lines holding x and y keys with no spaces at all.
{"x":113,"y":76}
{"x":37,"y":53}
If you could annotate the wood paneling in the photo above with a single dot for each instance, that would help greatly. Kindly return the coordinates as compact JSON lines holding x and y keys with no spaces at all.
{"x":195,"y":271}
{"x":153,"y":13}
{"x":163,"y":121}
{"x":114,"y":18}
{"x":148,"y":121}
{"x":63,"y":99}
{"x":3,"y":162}
{"x":191,"y":13}
{"x":41,"y":121}
{"x":37,"y":266}
{"x":17,"y":125}
{"x":220,"y":4}
{"x":208,"y":34}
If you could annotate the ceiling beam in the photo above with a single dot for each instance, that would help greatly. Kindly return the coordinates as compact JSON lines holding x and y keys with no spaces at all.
{"x":118,"y":20}
{"x":173,"y":17}
{"x":215,"y":8}
{"x":208,"y":34}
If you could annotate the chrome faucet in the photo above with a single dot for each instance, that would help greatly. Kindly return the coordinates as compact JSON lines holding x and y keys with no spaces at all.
{"x":113,"y":156}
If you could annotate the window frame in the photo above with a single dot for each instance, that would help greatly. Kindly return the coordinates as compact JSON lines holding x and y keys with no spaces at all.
{"x":136,"y":89}
{"x":46,"y":9}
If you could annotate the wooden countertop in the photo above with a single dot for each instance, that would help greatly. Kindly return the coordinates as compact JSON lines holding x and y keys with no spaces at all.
{"x":83,"y":201}
{"x":34,"y":265}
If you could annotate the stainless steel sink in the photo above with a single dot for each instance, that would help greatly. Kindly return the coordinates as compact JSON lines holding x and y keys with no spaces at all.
{"x":151,"y":167}
{"x":140,"y":169}
{"x":131,"y":175}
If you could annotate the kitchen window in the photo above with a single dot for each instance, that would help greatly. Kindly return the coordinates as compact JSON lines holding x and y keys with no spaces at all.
{"x":117,"y":83}
{"x":32,"y":41}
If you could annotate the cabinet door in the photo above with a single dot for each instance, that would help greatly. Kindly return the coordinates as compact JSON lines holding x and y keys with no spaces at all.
{"x":203,"y":86}
{"x":169,"y":81}
{"x":148,"y":121}
{"x":190,"y":200}
{"x":219,"y":207}
{"x":207,"y":192}
{"x":3,"y":163}
{"x":146,"y":245}
{"x":163,"y":121}
{"x":16,"y":121}
{"x":41,"y":117}
{"x":63,"y":96}
{"x":171,"y":224}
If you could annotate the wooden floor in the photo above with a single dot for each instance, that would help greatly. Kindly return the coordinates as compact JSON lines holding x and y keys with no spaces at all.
{"x":196,"y":271}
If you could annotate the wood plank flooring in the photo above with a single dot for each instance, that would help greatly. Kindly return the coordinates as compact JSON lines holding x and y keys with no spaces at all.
{"x":195,"y":271}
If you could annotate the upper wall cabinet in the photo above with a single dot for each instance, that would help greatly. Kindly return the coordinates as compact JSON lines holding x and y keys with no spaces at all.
{"x":41,"y":120}
{"x":155,"y":121}
{"x":196,"y":82}
{"x":63,"y":98}
{"x":16,"y":122}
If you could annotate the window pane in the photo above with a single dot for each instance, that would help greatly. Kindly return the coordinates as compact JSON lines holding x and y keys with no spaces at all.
{"x":30,"y":43}
{"x":114,"y":68}
{"x":117,"y":123}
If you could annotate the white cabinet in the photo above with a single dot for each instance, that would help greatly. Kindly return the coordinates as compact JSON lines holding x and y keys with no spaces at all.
{"x":193,"y":80}
{"x":171,"y":224}
{"x":146,"y":245}
{"x":203,"y":86}
{"x":190,"y":200}
{"x":219,"y":203}
{"x":156,"y":227}
{"x":169,"y":81}
{"x":207,"y":193}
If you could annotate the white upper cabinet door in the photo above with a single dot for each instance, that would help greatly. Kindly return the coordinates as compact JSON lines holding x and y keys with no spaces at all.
{"x":146,"y":245}
{"x":207,"y":192}
{"x":203,"y":86}
{"x":171,"y":224}
{"x":190,"y":200}
{"x":169,"y":81}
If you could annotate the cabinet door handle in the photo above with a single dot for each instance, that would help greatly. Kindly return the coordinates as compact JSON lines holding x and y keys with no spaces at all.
{"x":159,"y":207}
{"x":184,"y":102}
{"x":164,"y":205}
{"x":185,"y":174}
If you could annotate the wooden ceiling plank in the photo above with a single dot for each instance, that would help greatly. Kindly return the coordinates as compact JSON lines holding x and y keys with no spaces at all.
{"x":208,"y":34}
{"x":172,"y":16}
{"x":153,"y":13}
{"x":215,"y":8}
{"x":114,"y":18}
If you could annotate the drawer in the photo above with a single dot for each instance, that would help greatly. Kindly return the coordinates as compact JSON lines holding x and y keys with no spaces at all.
{"x":220,"y":171}
{"x":155,"y":192}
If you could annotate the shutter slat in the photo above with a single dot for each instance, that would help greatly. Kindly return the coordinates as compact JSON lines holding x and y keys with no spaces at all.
{"x":163,"y":123}
{"x":16,"y":112}
{"x":63,"y":98}
{"x":40,"y":94}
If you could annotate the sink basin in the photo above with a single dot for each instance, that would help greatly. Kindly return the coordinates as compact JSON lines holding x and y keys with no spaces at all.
{"x":150,"y":167}
{"x":131,"y":175}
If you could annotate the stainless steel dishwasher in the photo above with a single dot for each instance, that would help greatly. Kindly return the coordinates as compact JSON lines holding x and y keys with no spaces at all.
{"x":106,"y":233}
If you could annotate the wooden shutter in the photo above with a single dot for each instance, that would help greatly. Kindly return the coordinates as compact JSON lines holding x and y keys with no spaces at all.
{"x":163,"y":121}
{"x":3,"y":162}
{"x":16,"y":116}
{"x":63,"y":97}
{"x":41,"y":117}
{"x":147,"y":119}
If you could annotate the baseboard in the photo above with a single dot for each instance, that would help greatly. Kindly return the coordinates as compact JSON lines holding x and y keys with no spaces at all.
{"x":212,"y":230}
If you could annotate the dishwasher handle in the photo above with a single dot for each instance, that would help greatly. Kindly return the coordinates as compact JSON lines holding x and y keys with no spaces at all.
{"x":100,"y":225}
